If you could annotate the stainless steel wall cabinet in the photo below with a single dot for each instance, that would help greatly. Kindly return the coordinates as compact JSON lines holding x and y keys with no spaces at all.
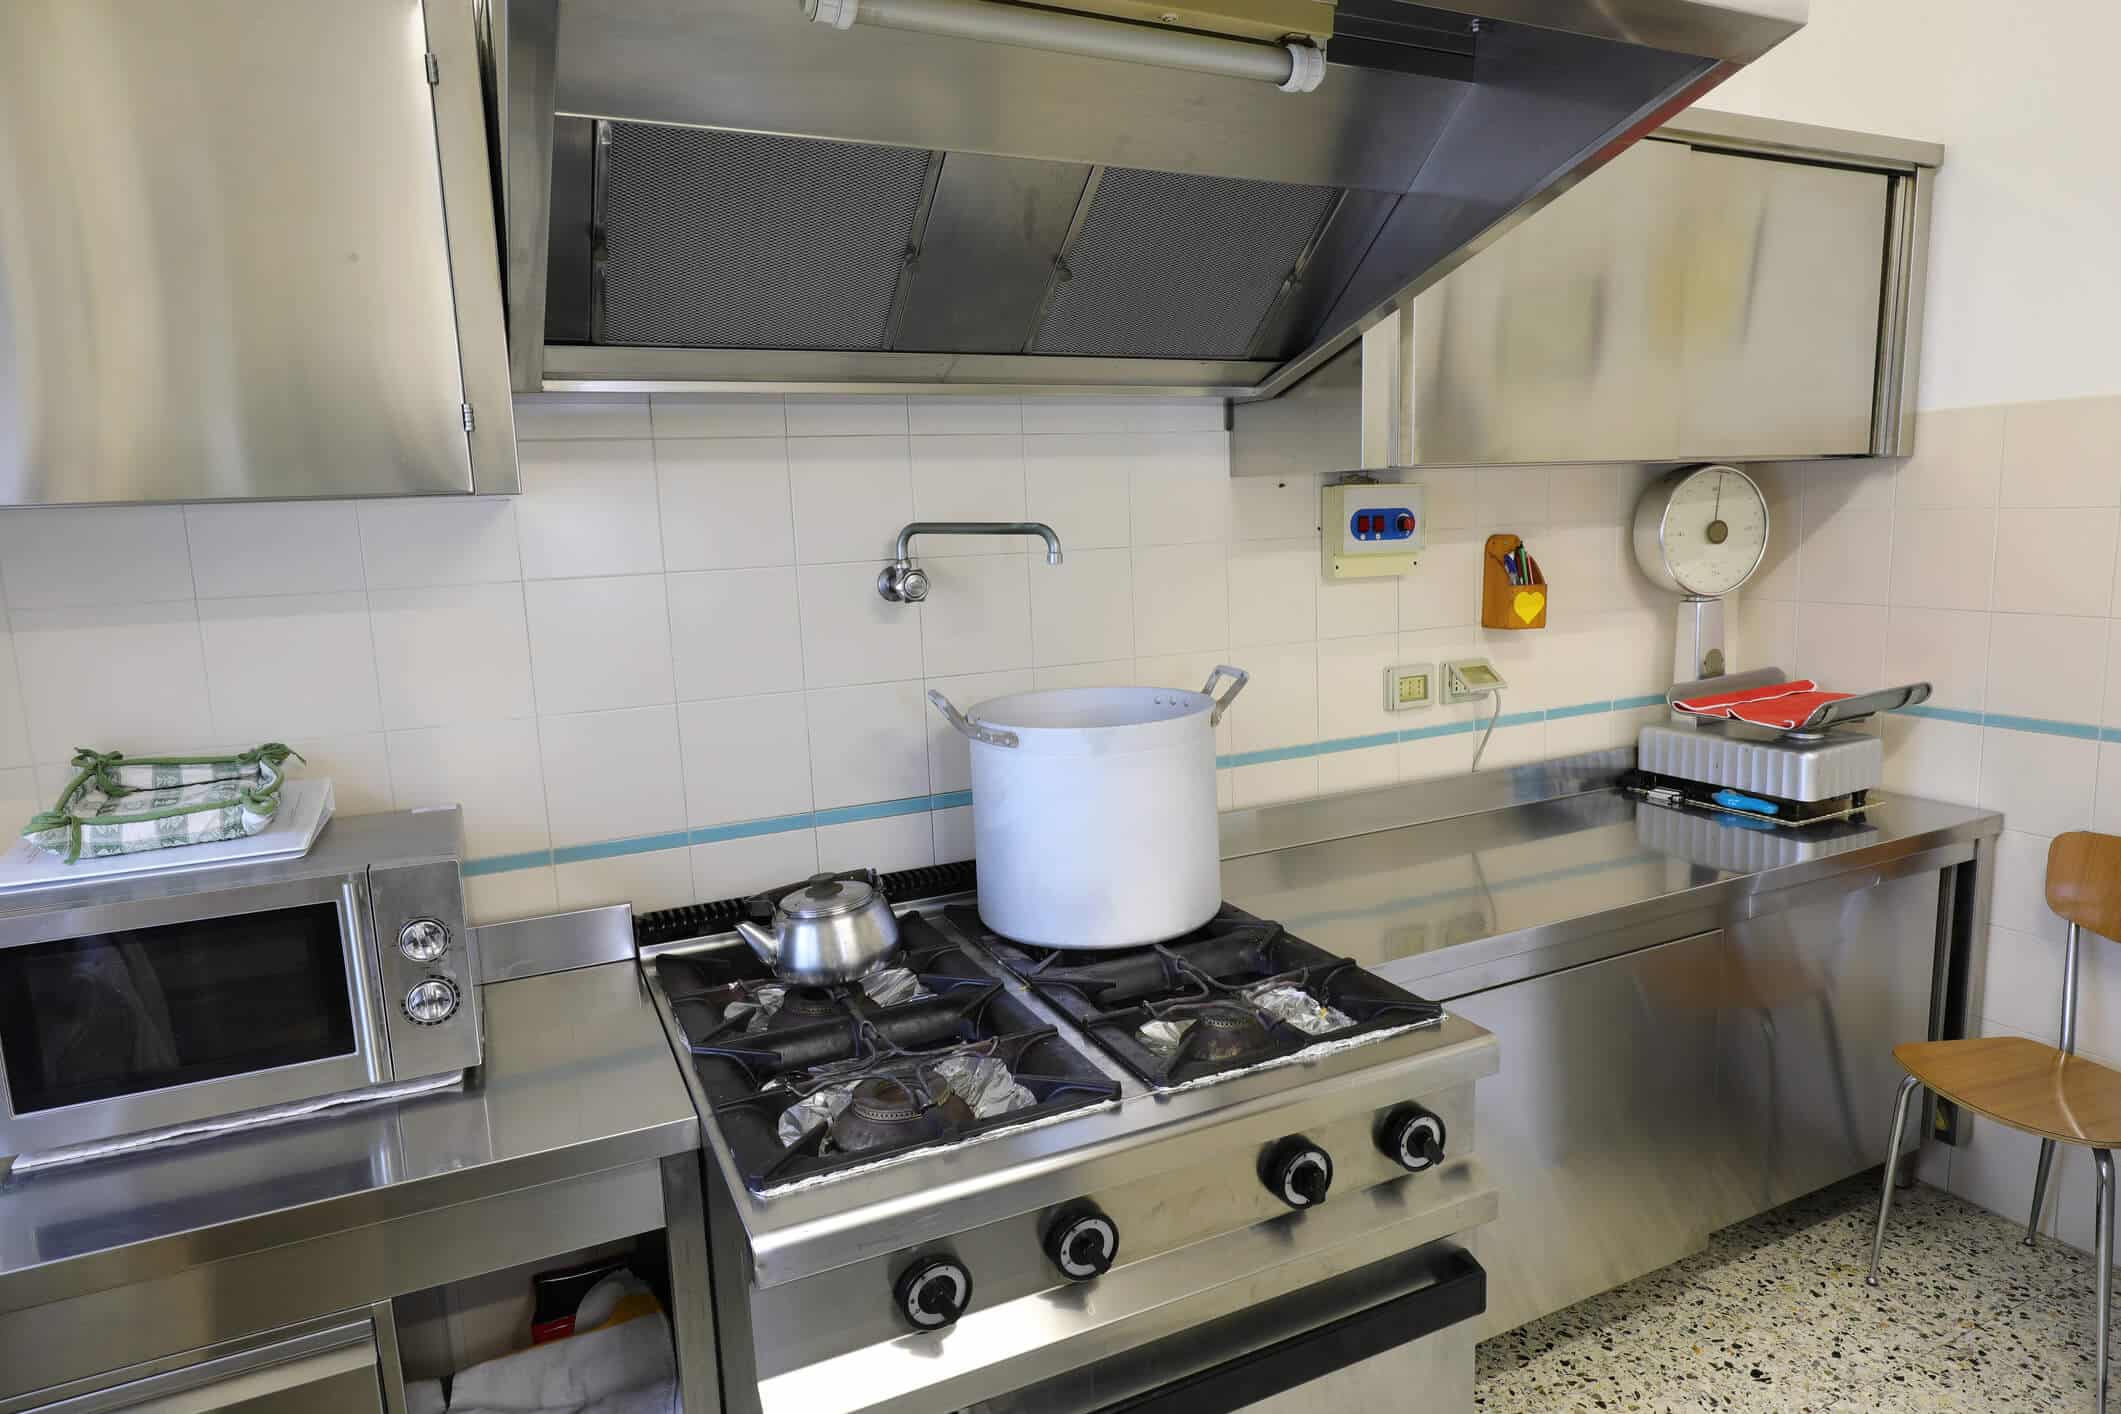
{"x":1732,"y":289}
{"x":247,"y":251}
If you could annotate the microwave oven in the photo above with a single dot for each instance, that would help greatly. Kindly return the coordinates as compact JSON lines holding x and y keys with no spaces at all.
{"x":195,"y":997}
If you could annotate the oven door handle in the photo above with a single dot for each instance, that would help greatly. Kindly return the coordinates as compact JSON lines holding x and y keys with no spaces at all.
{"x":1459,"y":1293}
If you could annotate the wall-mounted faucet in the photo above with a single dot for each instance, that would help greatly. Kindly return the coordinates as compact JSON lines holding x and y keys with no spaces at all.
{"x":903,"y":582}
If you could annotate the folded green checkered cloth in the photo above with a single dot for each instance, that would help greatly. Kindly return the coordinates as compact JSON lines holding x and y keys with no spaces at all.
{"x":116,"y":804}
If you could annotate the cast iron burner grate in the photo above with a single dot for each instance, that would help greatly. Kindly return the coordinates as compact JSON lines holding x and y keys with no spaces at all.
{"x":752,"y":1077}
{"x":1206,"y":981}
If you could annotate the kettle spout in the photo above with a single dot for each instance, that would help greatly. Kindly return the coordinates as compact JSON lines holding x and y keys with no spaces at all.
{"x":766,"y":945}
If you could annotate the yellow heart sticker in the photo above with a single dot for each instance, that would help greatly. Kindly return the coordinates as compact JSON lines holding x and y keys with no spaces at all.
{"x":1528,"y":603}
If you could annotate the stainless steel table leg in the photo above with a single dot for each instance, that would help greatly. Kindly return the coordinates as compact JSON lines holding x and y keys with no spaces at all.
{"x":691,"y":1295}
{"x":2103,"y":1160}
{"x":2047,"y":1160}
{"x":1892,"y":1162}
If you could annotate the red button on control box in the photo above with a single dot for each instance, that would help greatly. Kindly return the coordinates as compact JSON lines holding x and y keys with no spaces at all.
{"x":1406,"y":524}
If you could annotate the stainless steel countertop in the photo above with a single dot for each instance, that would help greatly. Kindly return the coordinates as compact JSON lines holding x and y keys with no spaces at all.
{"x":578,"y":1079}
{"x":1452,"y":905}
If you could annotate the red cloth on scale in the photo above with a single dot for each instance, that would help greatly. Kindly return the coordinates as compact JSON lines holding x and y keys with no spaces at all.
{"x":1781,"y":704}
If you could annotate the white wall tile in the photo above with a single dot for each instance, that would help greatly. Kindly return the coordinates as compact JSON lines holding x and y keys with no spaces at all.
{"x":73,"y":697}
{"x":1274,"y":591}
{"x":733,"y":868}
{"x":439,"y":540}
{"x":1112,"y":672}
{"x":1958,"y":459}
{"x":292,"y":547}
{"x":1123,"y":414}
{"x":1273,"y":781}
{"x":544,"y":417}
{"x":1589,"y":495}
{"x":1940,"y":760}
{"x":1367,"y":769}
{"x":611,"y":775}
{"x":492,"y":769}
{"x":735,"y":632}
{"x":356,"y":764}
{"x":1083,"y":608}
{"x":597,"y":644}
{"x":953,"y":834}
{"x":977,"y":618}
{"x":2062,"y":453}
{"x":1840,"y":646}
{"x":2106,"y":801}
{"x":1082,"y":486}
{"x":20,"y":798}
{"x":853,"y":634}
{"x":725,"y":503}
{"x":289,"y":664}
{"x":893,"y":842}
{"x":1180,"y":491}
{"x":519,"y":893}
{"x":658,"y":879}
{"x":868,"y":743}
{"x":963,"y":416}
{"x":970,"y":478}
{"x":107,"y":555}
{"x":2041,"y":665}
{"x":1946,"y":648}
{"x":1847,"y":555}
{"x":851,"y":495}
{"x":1943,"y":559}
{"x":746,"y":758}
{"x":949,"y":754}
{"x":1351,"y":674}
{"x":814,"y":416}
{"x":2042,"y":784}
{"x":716,"y":415}
{"x":1763,"y":633}
{"x":588,"y":508}
{"x":1274,"y":508}
{"x":2018,"y":898}
{"x":1279,"y":706}
{"x":14,"y":724}
{"x":459,"y":653}
{"x":1443,"y":588}
{"x":2055,"y":561}
{"x":1514,"y":745}
{"x":1181,"y":599}
{"x":1352,"y":608}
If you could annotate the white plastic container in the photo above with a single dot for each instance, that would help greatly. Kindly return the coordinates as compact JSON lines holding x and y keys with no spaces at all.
{"x":1094,"y":820}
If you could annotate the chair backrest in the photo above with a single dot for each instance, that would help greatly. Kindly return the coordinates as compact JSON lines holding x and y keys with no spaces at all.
{"x":2084,"y":881}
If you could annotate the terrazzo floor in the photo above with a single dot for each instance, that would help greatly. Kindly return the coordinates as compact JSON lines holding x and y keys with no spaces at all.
{"x":1774,"y":1315}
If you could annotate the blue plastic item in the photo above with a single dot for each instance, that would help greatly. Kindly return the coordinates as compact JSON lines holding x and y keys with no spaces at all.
{"x":1753,"y":803}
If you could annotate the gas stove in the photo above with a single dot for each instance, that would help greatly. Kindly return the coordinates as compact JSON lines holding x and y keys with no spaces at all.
{"x":1000,"y":1177}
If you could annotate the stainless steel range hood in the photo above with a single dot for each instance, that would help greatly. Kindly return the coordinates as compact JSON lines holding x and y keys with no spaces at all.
{"x":723,"y":194}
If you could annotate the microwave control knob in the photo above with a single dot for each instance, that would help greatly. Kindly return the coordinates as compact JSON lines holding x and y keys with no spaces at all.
{"x":1298,"y":1172}
{"x":934,"y":1293}
{"x":423,"y":939}
{"x":432,"y":1002}
{"x":1082,"y":1242}
{"x":1412,"y":1137}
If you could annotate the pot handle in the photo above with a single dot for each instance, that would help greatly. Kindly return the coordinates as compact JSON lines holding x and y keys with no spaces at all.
{"x":978,"y":731}
{"x":1222,"y":704}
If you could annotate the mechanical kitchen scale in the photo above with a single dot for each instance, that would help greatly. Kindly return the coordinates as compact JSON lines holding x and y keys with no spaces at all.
{"x":1702,"y":532}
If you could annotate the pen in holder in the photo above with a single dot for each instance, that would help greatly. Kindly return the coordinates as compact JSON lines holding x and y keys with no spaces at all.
{"x":1513,"y":592}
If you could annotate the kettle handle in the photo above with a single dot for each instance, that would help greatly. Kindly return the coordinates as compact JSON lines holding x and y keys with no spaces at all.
{"x":1239,"y":678}
{"x":978,"y":731}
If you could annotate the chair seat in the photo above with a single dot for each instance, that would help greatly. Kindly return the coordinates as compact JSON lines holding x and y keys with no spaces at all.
{"x":2023,"y":1084}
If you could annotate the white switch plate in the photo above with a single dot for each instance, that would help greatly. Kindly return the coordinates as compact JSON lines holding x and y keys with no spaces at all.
{"x":1467,"y":678}
{"x":1409,"y":686}
{"x":1369,"y":530}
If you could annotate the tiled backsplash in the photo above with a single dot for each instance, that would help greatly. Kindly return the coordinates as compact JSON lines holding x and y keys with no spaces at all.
{"x":1984,"y":564}
{"x":664,"y":672}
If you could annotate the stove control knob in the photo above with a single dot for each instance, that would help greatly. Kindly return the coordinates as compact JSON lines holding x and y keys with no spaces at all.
{"x":423,"y":939}
{"x":1298,"y":1172}
{"x":934,"y":1292}
{"x":1412,"y":1138}
{"x":1082,"y":1242}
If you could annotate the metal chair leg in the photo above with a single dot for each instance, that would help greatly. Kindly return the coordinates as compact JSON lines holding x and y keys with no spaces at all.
{"x":2103,"y":1160}
{"x":2047,"y":1160}
{"x":1892,"y":1162}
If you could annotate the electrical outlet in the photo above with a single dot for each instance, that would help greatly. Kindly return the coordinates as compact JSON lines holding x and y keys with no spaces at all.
{"x":1467,"y":678}
{"x":1410,"y":686}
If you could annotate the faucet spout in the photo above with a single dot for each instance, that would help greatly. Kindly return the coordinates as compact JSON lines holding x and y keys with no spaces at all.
{"x":979,"y":527}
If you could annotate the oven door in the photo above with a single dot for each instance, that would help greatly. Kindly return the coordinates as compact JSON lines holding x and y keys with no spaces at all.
{"x":1397,"y":1334}
{"x":124,"y":1017}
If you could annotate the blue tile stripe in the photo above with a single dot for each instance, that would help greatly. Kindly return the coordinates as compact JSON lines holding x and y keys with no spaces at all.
{"x":951,"y":800}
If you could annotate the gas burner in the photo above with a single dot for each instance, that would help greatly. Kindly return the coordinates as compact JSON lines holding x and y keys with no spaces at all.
{"x":1236,"y":993}
{"x":844,"y":1076}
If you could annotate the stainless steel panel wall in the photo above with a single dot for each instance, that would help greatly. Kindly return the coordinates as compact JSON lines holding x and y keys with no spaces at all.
{"x":1650,"y":1099}
{"x":224,"y":265}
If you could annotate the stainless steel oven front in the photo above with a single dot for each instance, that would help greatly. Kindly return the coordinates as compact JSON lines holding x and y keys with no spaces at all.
{"x":195,"y":995}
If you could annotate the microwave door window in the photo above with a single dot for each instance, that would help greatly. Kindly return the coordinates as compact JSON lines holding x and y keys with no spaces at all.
{"x":121,"y":1013}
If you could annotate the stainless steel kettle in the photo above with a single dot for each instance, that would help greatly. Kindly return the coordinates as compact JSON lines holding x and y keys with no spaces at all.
{"x":826,"y":930}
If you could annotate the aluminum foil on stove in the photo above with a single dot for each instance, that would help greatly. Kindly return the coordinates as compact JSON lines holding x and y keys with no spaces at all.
{"x":818,"y":1107}
{"x":1162,"y":1038}
{"x":984,"y":1083}
{"x":756,"y":1007}
{"x":1300,"y":1009}
{"x":894,"y":985}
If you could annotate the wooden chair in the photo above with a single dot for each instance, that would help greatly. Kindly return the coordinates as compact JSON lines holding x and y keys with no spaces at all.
{"x":2043,"y":1090}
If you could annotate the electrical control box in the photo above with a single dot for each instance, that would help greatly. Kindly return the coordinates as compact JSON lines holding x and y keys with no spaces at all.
{"x":1370,"y":529}
{"x":1409,"y":686}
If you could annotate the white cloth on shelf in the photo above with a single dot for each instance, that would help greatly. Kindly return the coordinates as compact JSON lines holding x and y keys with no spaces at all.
{"x":625,"y":1367}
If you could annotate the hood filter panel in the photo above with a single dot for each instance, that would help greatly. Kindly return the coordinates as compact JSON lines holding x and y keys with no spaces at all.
{"x":1175,"y":266}
{"x":719,"y":239}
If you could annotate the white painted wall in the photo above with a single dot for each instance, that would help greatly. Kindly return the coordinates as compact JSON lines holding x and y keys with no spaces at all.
{"x":2025,"y":259}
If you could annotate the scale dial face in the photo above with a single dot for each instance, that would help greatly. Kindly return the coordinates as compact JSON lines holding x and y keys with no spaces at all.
{"x":1702,"y":531}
